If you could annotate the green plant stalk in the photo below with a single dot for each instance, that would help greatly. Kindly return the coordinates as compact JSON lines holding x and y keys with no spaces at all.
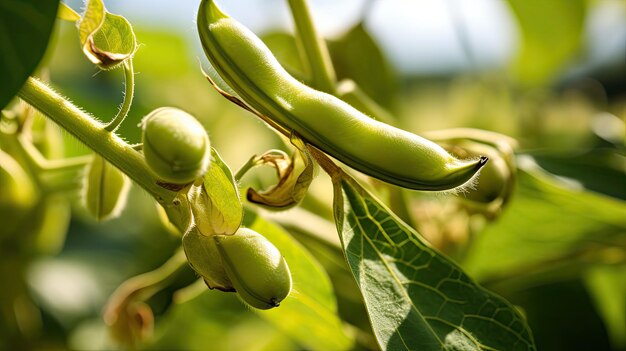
{"x":316,"y":54}
{"x":251,"y":163}
{"x":42,"y":164}
{"x":91,"y":133}
{"x":129,"y":90}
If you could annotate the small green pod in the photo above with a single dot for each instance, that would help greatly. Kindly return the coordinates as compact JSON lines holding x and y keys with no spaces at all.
{"x":323,"y":120}
{"x":175,"y":145}
{"x":106,"y":189}
{"x":255,"y":267}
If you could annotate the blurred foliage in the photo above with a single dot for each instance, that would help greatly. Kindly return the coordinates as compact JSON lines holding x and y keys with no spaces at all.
{"x":551,"y":37}
{"x":25,"y":30}
{"x":557,"y":250}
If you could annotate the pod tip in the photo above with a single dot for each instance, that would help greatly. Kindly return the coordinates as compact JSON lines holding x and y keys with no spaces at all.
{"x":483,"y":161}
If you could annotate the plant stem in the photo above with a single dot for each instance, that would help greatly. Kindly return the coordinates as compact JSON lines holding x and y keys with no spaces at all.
{"x":129,"y":90}
{"x":316,"y":54}
{"x":91,"y":133}
{"x":253,"y":161}
{"x":43,"y":164}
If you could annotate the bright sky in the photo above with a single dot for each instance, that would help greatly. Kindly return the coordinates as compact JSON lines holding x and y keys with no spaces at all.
{"x":419,"y":36}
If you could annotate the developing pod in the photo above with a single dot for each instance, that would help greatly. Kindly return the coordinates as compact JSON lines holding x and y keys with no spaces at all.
{"x":175,"y":145}
{"x":255,"y":267}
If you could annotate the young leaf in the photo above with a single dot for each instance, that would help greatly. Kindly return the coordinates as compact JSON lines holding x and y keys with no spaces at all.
{"x":416,"y":297}
{"x":66,"y":13}
{"x":215,"y":204}
{"x":106,"y":189}
{"x":25,"y":27}
{"x":107,"y":39}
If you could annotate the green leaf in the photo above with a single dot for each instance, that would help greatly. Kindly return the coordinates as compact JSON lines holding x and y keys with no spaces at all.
{"x":215,"y":204}
{"x":599,"y":170}
{"x":608,"y":289}
{"x":311,"y":303}
{"x":357,"y":56}
{"x":551,"y":33}
{"x":66,"y":13}
{"x":107,"y":39}
{"x":416,"y":297}
{"x":92,"y":20}
{"x":548,"y":223}
{"x":25,"y":27}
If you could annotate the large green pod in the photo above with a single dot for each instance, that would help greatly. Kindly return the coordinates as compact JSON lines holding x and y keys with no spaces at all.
{"x":323,"y":120}
{"x":255,"y":267}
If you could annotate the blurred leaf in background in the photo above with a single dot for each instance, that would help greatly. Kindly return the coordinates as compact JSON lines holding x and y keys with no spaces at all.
{"x":25,"y":27}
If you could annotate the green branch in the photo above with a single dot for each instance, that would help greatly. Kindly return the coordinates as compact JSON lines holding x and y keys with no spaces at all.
{"x":92,"y":133}
{"x":316,"y":55}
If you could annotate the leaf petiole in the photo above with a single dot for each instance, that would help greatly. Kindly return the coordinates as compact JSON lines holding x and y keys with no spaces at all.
{"x":129,"y":91}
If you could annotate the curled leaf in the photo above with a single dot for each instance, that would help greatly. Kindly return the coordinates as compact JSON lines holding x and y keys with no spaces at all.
{"x":215,"y":203}
{"x":107,"y":39}
{"x":294,"y":173}
{"x":106,"y":189}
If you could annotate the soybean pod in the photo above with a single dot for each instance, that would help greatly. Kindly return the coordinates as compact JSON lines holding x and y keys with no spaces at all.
{"x":323,"y":120}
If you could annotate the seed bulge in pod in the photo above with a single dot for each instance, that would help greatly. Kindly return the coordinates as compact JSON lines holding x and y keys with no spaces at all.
{"x":175,"y":145}
{"x":255,"y":267}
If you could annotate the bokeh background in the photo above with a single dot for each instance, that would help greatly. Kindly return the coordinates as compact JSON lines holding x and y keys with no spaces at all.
{"x":551,"y":74}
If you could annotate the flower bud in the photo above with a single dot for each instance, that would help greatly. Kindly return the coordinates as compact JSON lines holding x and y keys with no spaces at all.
{"x":175,"y":145}
{"x":255,"y":267}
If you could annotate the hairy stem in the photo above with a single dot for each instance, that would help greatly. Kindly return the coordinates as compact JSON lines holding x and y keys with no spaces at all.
{"x":91,"y":133}
{"x":129,"y":90}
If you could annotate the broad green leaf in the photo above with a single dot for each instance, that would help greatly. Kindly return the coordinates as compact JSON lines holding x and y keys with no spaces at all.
{"x":107,"y":39}
{"x":357,"y":56}
{"x":551,"y":33}
{"x":215,"y":204}
{"x":417,"y":298}
{"x":66,"y":13}
{"x":309,"y":313}
{"x":25,"y":27}
{"x":607,"y":285}
{"x":547,"y":223}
